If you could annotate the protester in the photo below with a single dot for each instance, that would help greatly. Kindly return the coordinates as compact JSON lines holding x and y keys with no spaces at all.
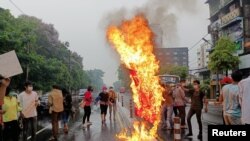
{"x":112,"y":103}
{"x":104,"y":102}
{"x":230,"y":99}
{"x":67,"y":106}
{"x":180,"y":103}
{"x":4,"y":83}
{"x":29,"y":101}
{"x":164,"y":109}
{"x":167,"y":112}
{"x":55,"y":101}
{"x":87,"y":99}
{"x":10,"y":116}
{"x":244,"y":97}
{"x":196,"y":107}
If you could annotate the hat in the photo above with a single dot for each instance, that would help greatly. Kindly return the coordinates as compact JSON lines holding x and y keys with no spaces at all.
{"x":104,"y":88}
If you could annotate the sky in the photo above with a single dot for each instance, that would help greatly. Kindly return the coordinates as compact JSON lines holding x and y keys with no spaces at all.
{"x":82,"y":23}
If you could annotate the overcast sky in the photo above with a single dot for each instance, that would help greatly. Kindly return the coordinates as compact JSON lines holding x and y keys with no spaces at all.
{"x":80,"y":23}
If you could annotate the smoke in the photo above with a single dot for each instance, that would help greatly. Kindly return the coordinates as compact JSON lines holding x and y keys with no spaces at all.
{"x":162,"y":17}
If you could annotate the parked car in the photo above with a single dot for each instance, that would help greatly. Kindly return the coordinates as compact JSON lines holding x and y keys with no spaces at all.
{"x":81,"y":94}
{"x":43,"y":107}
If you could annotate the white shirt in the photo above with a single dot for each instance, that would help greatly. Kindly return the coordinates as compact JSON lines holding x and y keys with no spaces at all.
{"x":27,"y":102}
{"x":245,"y":100}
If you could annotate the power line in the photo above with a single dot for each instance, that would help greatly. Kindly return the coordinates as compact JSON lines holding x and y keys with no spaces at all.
{"x":197,"y":42}
{"x":19,"y":9}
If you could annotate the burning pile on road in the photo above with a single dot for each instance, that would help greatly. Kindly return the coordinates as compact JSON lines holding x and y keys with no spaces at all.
{"x":133,"y":40}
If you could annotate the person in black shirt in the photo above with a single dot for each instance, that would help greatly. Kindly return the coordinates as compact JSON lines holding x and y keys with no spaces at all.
{"x":67,"y":105}
{"x":104,"y":102}
{"x":196,"y":107}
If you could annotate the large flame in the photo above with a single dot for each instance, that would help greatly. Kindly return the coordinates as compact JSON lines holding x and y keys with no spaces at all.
{"x":133,"y":41}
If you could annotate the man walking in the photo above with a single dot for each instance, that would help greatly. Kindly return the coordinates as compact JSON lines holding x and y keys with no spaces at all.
{"x":55,"y":100}
{"x":196,"y":108}
{"x":28,"y":101}
{"x":244,"y":97}
{"x":179,"y":103}
{"x":112,"y":103}
{"x":230,"y":99}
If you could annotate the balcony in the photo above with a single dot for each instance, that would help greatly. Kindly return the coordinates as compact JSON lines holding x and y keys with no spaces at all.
{"x":225,"y":3}
{"x":231,"y":17}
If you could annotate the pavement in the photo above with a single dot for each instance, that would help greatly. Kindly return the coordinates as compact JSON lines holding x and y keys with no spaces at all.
{"x":97,"y":132}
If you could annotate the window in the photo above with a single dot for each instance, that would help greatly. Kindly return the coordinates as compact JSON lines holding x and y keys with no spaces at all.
{"x":175,"y":53}
{"x":184,"y":53}
{"x":184,"y":58}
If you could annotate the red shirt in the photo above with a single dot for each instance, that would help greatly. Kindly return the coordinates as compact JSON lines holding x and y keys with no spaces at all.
{"x":87,"y":98}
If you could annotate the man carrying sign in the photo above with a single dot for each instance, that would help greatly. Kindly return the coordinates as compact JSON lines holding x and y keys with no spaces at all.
{"x":9,"y":67}
{"x":4,"y":83}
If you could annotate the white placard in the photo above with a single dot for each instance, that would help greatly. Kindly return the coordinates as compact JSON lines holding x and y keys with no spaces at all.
{"x":9,"y":65}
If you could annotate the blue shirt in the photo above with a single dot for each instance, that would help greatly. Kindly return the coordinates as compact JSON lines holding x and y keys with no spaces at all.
{"x":231,"y":104}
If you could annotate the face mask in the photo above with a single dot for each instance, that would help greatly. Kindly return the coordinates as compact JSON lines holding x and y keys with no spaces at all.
{"x":30,"y":88}
{"x":12,"y":94}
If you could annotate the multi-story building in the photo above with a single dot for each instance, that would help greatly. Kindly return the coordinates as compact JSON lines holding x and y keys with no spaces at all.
{"x":203,"y":55}
{"x":172,"y":56}
{"x":231,"y":18}
{"x":202,"y":60}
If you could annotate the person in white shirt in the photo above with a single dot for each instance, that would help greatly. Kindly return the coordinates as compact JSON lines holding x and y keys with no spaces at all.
{"x":244,"y":99}
{"x":28,"y":101}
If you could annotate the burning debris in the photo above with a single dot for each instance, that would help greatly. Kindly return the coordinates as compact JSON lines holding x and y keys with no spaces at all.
{"x":133,"y":40}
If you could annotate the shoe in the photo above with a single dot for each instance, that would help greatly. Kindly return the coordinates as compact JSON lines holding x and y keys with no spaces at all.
{"x":89,"y":123}
{"x":65,"y":129}
{"x":189,"y":134}
{"x":52,"y":139}
{"x":199,"y":136}
{"x":84,"y":126}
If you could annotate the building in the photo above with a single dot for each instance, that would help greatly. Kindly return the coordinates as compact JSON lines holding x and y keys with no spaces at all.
{"x":231,"y":18}
{"x":202,"y":60}
{"x":203,"y":55}
{"x":172,"y":56}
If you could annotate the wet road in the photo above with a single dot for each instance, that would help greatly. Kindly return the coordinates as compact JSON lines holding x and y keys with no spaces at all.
{"x":97,"y":132}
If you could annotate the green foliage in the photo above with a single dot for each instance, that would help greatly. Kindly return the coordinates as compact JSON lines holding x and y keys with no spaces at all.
{"x":205,"y":87}
{"x":38,"y":47}
{"x":123,"y":76}
{"x":223,"y":58}
{"x":95,"y":78}
{"x":181,"y":71}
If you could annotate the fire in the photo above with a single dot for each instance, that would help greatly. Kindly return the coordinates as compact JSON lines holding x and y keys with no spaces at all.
{"x":133,"y":40}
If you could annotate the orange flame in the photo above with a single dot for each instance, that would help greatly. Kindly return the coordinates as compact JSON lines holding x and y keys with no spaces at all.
{"x":133,"y":41}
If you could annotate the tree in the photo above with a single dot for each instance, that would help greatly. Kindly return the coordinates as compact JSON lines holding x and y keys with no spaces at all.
{"x":123,"y":76}
{"x":223,"y":58}
{"x":38,"y":47}
{"x":181,"y":71}
{"x":95,"y":77}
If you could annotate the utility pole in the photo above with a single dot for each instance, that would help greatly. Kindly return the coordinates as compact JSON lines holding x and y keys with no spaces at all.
{"x":69,"y":67}
{"x":27,"y":68}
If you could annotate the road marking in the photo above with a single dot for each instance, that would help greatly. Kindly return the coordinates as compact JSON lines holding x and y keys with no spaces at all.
{"x":38,"y":132}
